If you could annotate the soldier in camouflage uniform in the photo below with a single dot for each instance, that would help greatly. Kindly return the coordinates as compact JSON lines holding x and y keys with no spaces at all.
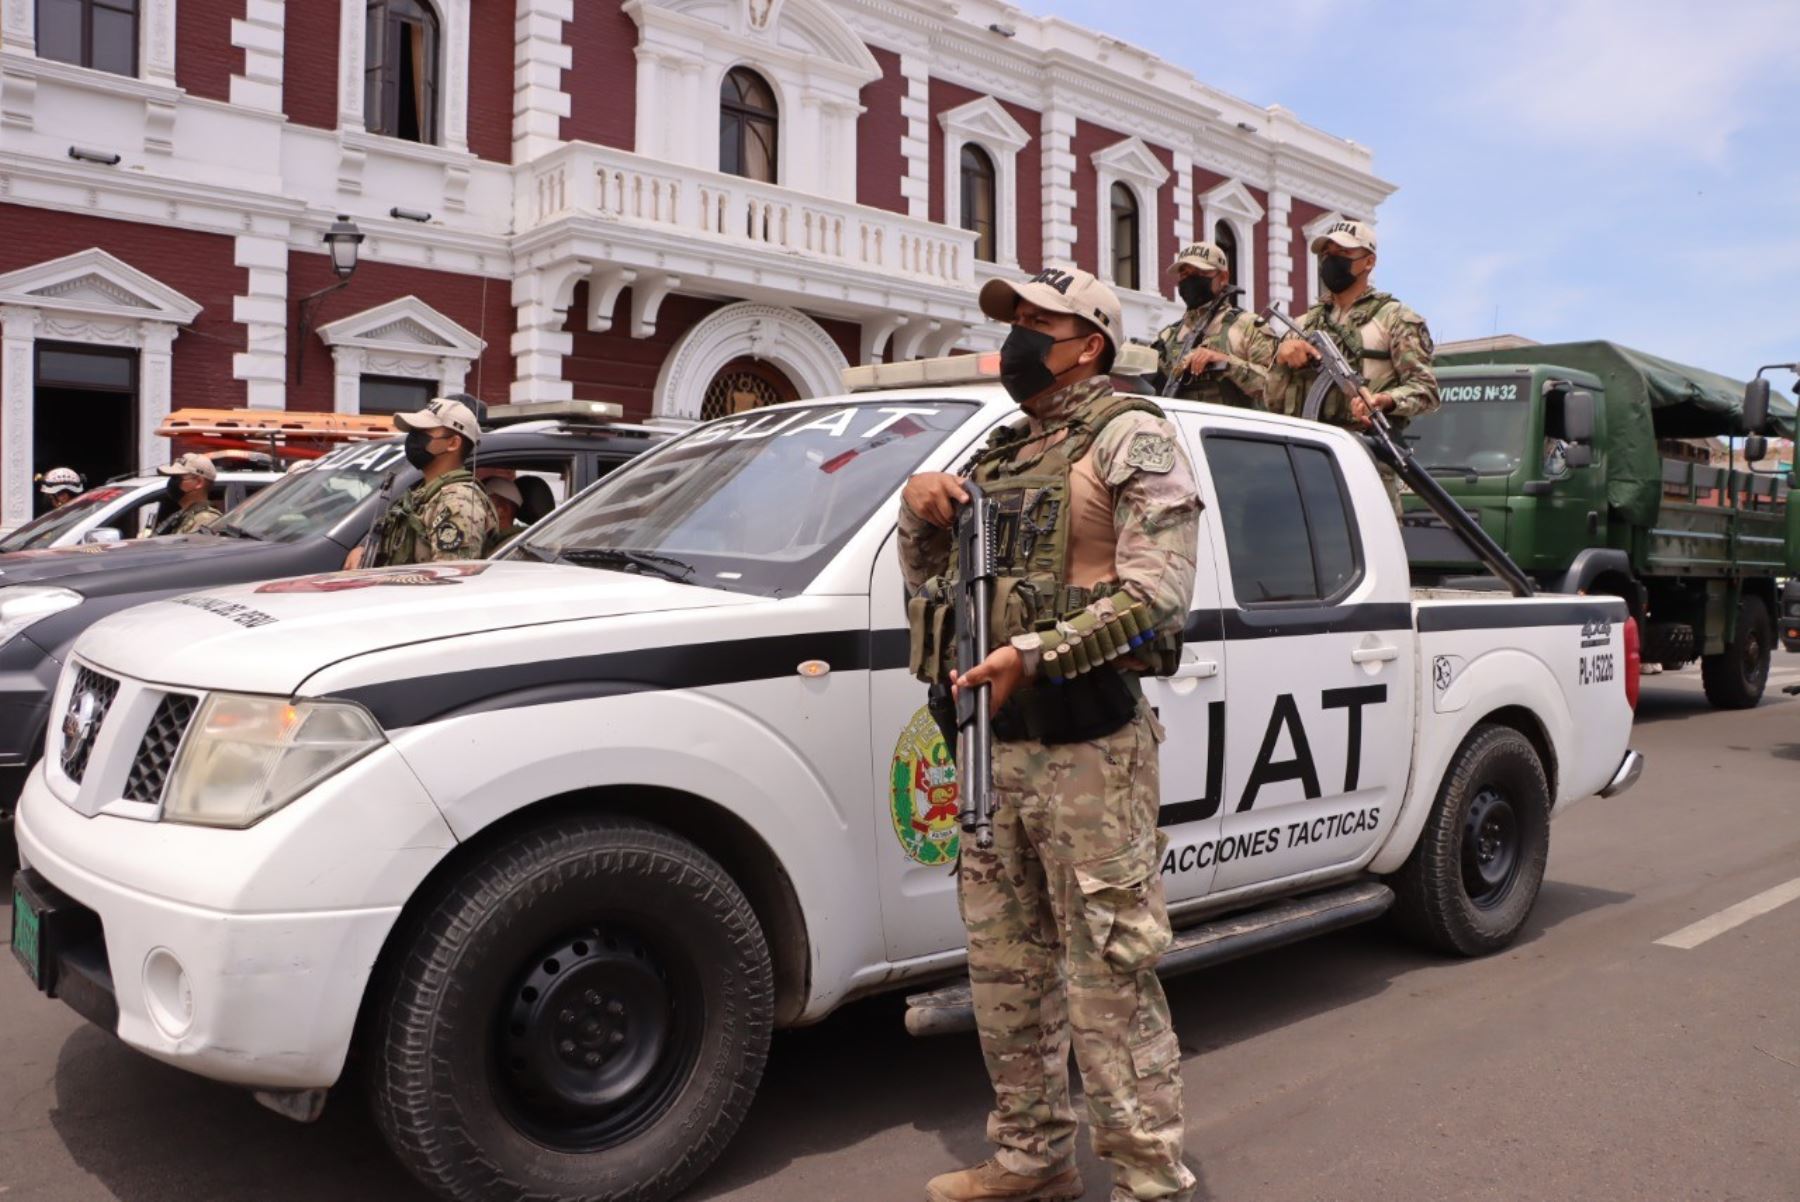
{"x":446,"y":515}
{"x":1386,"y":342}
{"x":1065,"y":911}
{"x":190,"y":490}
{"x":1230,"y":360}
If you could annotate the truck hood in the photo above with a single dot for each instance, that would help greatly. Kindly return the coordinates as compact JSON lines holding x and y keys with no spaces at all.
{"x":103,"y":569}
{"x":269,"y":637}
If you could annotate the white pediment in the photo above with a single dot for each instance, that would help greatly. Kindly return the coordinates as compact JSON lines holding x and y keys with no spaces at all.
{"x":404,"y":326}
{"x":809,"y":28}
{"x":1134,"y":161}
{"x":1232,"y":199}
{"x":985,"y":120}
{"x":95,"y":283}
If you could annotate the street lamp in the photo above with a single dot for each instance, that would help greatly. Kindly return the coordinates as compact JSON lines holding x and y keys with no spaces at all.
{"x":342,"y":241}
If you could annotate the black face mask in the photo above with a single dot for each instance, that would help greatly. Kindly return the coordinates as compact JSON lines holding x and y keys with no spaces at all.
{"x":418,"y":448}
{"x":1195,"y":290}
{"x":1336,"y":272}
{"x":172,"y":490}
{"x":1023,"y":372}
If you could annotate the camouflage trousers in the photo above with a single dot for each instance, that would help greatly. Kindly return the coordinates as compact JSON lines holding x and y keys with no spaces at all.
{"x":1066,"y":920}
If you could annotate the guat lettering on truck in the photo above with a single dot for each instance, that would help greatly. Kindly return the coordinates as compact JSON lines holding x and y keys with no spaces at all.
{"x":556,"y":840}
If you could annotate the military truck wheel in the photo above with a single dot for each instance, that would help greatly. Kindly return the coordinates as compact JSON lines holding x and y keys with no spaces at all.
{"x":1474,"y":875}
{"x":1735,"y":678}
{"x":583,"y":1014}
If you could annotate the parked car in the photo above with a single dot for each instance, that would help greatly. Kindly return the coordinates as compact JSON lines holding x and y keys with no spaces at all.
{"x":562,"y":837}
{"x":305,"y":522}
{"x":121,"y":509}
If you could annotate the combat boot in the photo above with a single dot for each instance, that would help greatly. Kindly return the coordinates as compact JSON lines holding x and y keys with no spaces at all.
{"x":989,"y":1182}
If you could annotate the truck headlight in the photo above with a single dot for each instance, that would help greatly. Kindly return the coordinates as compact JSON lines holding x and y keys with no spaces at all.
{"x":23,"y":604}
{"x":245,"y":757}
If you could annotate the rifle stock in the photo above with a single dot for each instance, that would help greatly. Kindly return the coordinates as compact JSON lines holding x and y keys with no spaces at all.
{"x":973,"y":530}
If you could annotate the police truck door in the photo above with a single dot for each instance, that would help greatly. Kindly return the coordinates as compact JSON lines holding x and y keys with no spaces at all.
{"x":1319,"y":634}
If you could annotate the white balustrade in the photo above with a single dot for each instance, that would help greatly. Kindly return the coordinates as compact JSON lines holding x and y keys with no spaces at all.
{"x":582,"y":180}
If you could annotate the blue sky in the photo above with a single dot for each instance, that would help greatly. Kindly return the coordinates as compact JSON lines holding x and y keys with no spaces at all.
{"x":1623,"y":169}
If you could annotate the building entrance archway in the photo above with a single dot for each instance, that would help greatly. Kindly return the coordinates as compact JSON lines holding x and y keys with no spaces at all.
{"x":746,"y":383}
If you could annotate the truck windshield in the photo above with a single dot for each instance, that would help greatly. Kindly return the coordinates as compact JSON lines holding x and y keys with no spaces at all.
{"x":755,"y":503}
{"x":1480,"y":428}
{"x":311,"y":502}
{"x":46,"y":528}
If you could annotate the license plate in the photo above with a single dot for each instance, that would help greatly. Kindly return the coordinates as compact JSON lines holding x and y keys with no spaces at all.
{"x":27,"y":927}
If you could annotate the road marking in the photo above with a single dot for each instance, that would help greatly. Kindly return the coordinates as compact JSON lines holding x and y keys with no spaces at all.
{"x":1690,"y":937}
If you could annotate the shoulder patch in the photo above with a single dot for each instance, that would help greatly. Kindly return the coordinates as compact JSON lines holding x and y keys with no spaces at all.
{"x":1151,"y":452}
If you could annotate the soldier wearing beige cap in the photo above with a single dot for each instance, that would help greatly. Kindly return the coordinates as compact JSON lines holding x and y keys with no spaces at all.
{"x":190,"y":492}
{"x":446,"y":515}
{"x":1216,"y":352}
{"x":1064,"y":911}
{"x":1383,"y":339}
{"x":506,"y":499}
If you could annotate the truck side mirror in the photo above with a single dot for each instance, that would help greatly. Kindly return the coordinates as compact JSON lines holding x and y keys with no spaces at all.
{"x":1756,"y":447}
{"x":1579,"y":454}
{"x":1578,"y":420}
{"x":1756,"y":406}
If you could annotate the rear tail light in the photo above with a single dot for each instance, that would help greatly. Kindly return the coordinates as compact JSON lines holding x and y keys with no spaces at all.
{"x":1634,"y":669}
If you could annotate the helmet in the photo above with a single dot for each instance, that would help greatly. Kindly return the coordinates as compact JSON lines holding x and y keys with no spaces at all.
{"x":60,"y":479}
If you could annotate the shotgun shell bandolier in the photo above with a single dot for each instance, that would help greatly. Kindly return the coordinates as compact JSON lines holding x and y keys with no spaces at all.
{"x":1091,"y":644}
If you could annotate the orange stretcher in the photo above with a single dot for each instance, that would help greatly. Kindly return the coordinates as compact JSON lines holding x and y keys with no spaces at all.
{"x":280,"y":433}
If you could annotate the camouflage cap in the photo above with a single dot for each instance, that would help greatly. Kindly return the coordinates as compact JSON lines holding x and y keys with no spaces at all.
{"x":1203,"y":256}
{"x":191,"y":465}
{"x":442,"y":413}
{"x":1351,"y":235}
{"x":1061,"y":290}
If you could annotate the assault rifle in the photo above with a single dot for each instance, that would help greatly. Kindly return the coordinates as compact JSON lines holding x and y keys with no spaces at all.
{"x":1335,"y":372}
{"x":974,"y":533}
{"x":371,"y":541}
{"x":1194,"y":337}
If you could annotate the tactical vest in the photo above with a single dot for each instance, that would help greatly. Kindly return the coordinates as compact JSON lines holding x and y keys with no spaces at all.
{"x":1032,"y":502}
{"x":188,"y":521}
{"x":1214,"y":388}
{"x":403,"y":525}
{"x":1349,"y":339}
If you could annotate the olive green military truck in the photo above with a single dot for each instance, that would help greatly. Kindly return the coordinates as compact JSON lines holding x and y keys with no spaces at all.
{"x":1588,"y":462}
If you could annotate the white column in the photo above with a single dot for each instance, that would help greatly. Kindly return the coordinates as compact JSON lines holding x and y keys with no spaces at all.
{"x":1059,"y":185}
{"x":453,"y":375}
{"x":540,"y":343}
{"x":262,"y":35}
{"x":18,"y":26}
{"x":346,"y":379}
{"x":1281,"y":258}
{"x":18,"y":397}
{"x":263,"y":312}
{"x":915,"y":144}
{"x":351,"y":17}
{"x":653,"y":128}
{"x":155,"y":389}
{"x":539,"y":60}
{"x":453,"y":98}
{"x":1184,"y":201}
{"x":156,"y":41}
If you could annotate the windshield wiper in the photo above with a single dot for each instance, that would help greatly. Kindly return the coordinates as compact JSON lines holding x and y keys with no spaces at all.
{"x":666,"y":566}
{"x":537,"y":554}
{"x":230,"y":531}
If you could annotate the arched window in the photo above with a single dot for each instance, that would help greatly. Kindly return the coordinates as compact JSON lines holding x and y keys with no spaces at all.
{"x":102,"y":34}
{"x":1225,"y":238}
{"x":978,"y":200}
{"x":748,"y":126}
{"x":400,"y":70}
{"x":1124,"y":237}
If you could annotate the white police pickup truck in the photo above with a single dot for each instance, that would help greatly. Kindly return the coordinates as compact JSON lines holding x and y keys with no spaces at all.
{"x":556,"y":841}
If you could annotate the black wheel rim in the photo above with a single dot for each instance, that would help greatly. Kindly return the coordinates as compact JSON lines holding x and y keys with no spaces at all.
{"x":1492,"y":848}
{"x":595,"y":1038}
{"x":1755,"y":662}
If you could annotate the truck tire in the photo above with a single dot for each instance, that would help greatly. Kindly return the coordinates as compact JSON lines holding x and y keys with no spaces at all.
{"x":1736,"y":677}
{"x":583,"y":1014}
{"x":1474,"y":875}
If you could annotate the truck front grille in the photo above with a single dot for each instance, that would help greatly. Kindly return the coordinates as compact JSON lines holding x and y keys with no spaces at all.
{"x":156,"y":754}
{"x":89,"y":700}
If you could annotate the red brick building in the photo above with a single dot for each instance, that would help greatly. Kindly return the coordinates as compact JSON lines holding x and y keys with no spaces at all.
{"x":680,"y":205}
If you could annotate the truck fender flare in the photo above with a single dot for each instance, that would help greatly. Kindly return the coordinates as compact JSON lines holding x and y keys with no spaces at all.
{"x":1591,"y":564}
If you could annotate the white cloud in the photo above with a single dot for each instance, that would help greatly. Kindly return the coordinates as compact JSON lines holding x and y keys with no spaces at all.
{"x":1636,"y":75}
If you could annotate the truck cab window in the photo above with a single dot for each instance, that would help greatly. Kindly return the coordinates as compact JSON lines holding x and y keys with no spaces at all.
{"x":1288,"y":532}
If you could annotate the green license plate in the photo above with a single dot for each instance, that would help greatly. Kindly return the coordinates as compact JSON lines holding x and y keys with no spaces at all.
{"x":26,"y":928}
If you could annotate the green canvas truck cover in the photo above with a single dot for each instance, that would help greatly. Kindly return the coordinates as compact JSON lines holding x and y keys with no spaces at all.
{"x":1647,"y":397}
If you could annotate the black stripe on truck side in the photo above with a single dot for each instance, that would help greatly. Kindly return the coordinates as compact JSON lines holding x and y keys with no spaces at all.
{"x":1521,"y":613}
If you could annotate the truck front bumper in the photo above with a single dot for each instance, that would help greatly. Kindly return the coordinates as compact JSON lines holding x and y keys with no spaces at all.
{"x":221,"y":956}
{"x":1630,"y":768}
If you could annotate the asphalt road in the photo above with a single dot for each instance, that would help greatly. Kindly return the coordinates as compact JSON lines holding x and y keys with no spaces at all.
{"x":1587,"y":1062}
